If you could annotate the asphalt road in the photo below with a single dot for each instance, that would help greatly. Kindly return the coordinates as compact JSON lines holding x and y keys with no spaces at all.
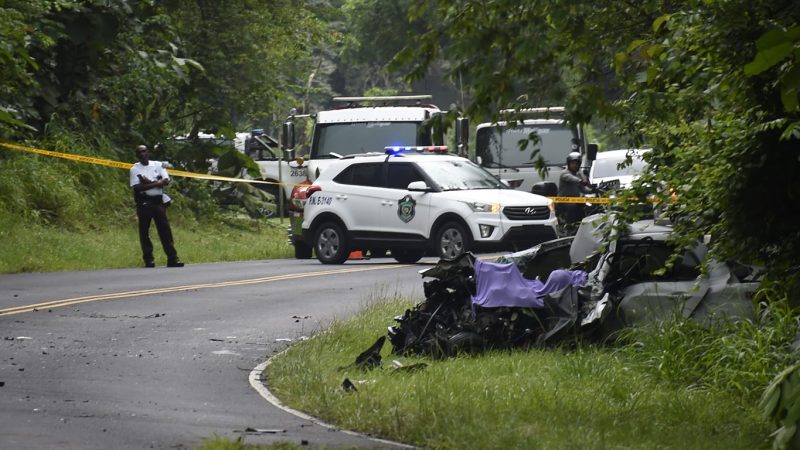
{"x":160,"y":358}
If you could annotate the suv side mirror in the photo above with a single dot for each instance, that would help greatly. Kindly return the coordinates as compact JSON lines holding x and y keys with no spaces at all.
{"x":418,"y":186}
{"x":462,"y":136}
{"x":591,"y":152}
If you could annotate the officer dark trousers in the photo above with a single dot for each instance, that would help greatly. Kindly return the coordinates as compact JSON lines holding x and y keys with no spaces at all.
{"x":158,"y":213}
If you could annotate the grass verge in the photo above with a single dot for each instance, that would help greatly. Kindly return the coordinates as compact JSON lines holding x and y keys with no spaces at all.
{"x":589,"y":398}
{"x":28,"y":246}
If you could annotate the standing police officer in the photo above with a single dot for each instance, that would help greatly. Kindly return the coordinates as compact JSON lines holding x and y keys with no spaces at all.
{"x":572,"y":183}
{"x":148,"y":179}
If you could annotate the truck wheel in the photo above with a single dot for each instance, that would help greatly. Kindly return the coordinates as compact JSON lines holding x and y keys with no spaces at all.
{"x":407,"y":255}
{"x":452,"y":239}
{"x":302,"y":250}
{"x":330,"y":244}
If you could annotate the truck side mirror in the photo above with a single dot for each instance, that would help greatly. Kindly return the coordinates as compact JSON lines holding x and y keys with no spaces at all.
{"x":287,"y":135}
{"x":462,"y":136}
{"x":591,"y":152}
{"x":288,"y":140}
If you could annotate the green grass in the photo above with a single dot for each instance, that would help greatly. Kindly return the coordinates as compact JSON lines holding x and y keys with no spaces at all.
{"x":29,"y":246}
{"x":740,"y":358}
{"x":221,"y":443}
{"x":589,"y":398}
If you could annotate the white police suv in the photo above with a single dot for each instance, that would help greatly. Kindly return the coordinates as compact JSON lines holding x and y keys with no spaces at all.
{"x":415,"y":201}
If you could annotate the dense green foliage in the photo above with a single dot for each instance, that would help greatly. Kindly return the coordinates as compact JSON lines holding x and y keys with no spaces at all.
{"x":711,"y":85}
{"x":97,"y":77}
{"x":152,"y":69}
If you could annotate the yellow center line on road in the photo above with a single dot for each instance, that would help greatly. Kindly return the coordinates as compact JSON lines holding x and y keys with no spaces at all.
{"x":141,"y":293}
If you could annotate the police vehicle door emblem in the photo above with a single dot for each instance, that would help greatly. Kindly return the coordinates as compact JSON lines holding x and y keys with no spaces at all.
{"x":405,"y":208}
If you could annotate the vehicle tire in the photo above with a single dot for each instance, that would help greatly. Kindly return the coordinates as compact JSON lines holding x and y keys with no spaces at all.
{"x":330,"y":243}
{"x":302,"y":250}
{"x":452,"y":239}
{"x":407,"y":255}
{"x":465,"y":342}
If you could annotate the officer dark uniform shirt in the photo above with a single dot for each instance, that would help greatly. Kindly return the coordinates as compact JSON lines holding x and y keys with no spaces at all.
{"x":571,"y":184}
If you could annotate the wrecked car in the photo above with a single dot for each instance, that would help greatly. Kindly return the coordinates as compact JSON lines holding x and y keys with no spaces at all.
{"x":584,"y":286}
{"x":633,"y":270}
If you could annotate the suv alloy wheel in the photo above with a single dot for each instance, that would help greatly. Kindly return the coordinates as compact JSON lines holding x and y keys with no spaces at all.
{"x":330,"y":244}
{"x":452,"y":240}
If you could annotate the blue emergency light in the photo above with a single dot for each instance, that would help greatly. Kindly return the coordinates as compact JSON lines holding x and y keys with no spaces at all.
{"x":397,"y":149}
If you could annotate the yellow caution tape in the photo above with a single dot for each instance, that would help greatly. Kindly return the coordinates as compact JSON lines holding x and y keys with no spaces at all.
{"x":127,"y":166}
{"x":600,"y":200}
{"x":205,"y":176}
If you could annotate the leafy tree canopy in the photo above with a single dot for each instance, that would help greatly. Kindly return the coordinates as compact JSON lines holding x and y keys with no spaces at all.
{"x":711,"y":85}
{"x":145,"y":70}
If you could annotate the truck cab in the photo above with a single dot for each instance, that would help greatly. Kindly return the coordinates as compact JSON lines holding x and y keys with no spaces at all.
{"x":275,"y":167}
{"x":497,"y":146}
{"x":358,"y":125}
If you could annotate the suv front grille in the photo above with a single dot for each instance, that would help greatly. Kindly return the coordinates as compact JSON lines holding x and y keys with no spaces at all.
{"x":527,"y":212}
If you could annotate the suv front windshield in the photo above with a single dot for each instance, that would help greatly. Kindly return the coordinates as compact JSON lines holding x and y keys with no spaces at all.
{"x":454,"y":175}
{"x":362,"y":137}
{"x":499,"y":146}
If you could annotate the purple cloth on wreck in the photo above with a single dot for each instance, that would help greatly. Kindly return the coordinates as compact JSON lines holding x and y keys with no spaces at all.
{"x":498,"y":285}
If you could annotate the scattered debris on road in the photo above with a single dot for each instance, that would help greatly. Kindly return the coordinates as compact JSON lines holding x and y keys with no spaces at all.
{"x":251,"y":430}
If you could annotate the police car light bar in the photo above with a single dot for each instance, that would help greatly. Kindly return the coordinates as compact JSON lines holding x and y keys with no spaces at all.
{"x":393,"y":150}
{"x":384,"y":99}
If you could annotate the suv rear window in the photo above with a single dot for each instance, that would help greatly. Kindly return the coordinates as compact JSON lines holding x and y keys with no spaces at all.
{"x":367,"y":174}
{"x":401,"y":174}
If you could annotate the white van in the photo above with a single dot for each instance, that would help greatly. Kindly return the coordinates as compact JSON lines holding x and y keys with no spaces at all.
{"x":606,"y":171}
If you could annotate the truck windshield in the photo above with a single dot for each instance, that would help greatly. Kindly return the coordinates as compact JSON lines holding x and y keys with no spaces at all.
{"x":362,"y":137}
{"x":499,"y":146}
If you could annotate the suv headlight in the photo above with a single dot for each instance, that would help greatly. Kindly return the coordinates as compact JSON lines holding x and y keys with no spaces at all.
{"x":483,"y":207}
